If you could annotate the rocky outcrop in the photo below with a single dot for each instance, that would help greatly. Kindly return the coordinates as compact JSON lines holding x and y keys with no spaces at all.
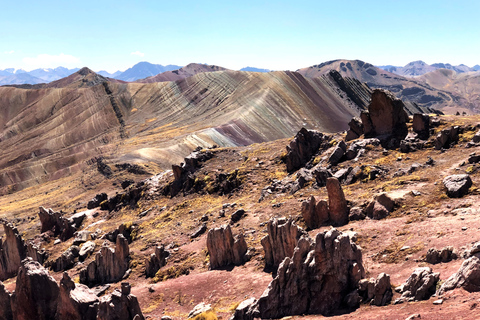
{"x":183,"y":173}
{"x":66,"y":260}
{"x":457,"y":185}
{"x":5,"y":303}
{"x":58,"y":224}
{"x":435,"y":256}
{"x":356,"y":129}
{"x":109,"y":265}
{"x":120,"y":305}
{"x":447,"y":137}
{"x":224,"y":249}
{"x":316,"y":280}
{"x":76,"y":301}
{"x":380,"y":207}
{"x":467,"y":277}
{"x":12,"y":251}
{"x":315,"y":213}
{"x":301,"y":149}
{"x":95,"y":202}
{"x":386,"y":116}
{"x":421,"y":285}
{"x":338,"y":153}
{"x":36,"y":253}
{"x":36,"y":293}
{"x":382,"y":292}
{"x":421,"y":125}
{"x":156,"y":261}
{"x":337,"y":205}
{"x":280,"y":242}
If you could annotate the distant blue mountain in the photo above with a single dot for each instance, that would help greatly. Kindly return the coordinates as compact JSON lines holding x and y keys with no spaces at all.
{"x":108,"y":74}
{"x":476,"y":68}
{"x":143,"y":70}
{"x":252,"y":69}
{"x":19,"y":78}
{"x":49,"y":75}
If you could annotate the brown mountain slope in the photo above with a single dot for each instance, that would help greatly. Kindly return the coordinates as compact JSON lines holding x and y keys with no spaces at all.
{"x":409,"y":89}
{"x":49,"y":133}
{"x":182,"y":73}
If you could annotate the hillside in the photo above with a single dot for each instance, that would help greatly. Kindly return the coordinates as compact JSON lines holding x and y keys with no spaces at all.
{"x":52,"y":131}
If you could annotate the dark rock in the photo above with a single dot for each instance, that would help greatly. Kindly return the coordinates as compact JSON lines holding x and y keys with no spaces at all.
{"x":236,"y":216}
{"x":104,"y":168}
{"x":56,"y":222}
{"x":421,"y":125}
{"x":66,"y":260}
{"x":301,"y":149}
{"x":337,"y":153}
{"x":421,"y":284}
{"x":200,"y":230}
{"x":467,"y":277}
{"x":446,"y":138}
{"x":435,"y":256}
{"x":5,"y":303}
{"x":457,"y":185}
{"x":476,"y":137}
{"x":280,"y":242}
{"x":36,"y":293}
{"x":127,"y":183}
{"x":76,"y":301}
{"x":12,"y":251}
{"x":119,"y":306}
{"x":315,"y":214}
{"x":356,"y":129}
{"x":224,"y":249}
{"x":382,"y":294}
{"x":125,"y":229}
{"x":36,"y":253}
{"x":380,"y":207}
{"x":321,"y":175}
{"x":337,"y":205}
{"x":356,"y":213}
{"x":156,"y":261}
{"x":109,"y":265}
{"x":473,"y":158}
{"x":95,"y":202}
{"x":316,"y":280}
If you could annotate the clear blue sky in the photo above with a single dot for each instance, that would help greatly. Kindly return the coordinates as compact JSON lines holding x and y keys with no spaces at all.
{"x":278,"y":35}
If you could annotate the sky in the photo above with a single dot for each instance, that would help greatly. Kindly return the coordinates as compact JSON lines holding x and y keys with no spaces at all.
{"x":276,"y":35}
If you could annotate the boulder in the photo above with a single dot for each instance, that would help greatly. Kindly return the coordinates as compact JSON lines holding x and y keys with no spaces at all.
{"x":76,"y":301}
{"x":66,"y":260}
{"x":280,"y":242}
{"x":337,"y":205}
{"x":156,"y":261}
{"x":199,"y":231}
{"x":446,"y":138}
{"x":301,"y":149}
{"x":435,"y":256}
{"x":36,"y":292}
{"x":109,"y":265}
{"x":338,"y":153}
{"x":57,"y":223}
{"x":382,"y":292}
{"x":120,"y":305}
{"x":86,"y":250}
{"x":36,"y":253}
{"x":5,"y":303}
{"x":467,"y":277}
{"x":95,"y":202}
{"x":421,"y":284}
{"x":315,"y":214}
{"x":12,"y":251}
{"x":224,"y":249}
{"x":236,"y":216}
{"x":356,"y":213}
{"x":81,"y":237}
{"x":380,"y":207}
{"x":457,"y":185}
{"x":356,"y":129}
{"x":316,"y":280}
{"x":476,"y":137}
{"x":199,"y":309}
{"x":321,"y":175}
{"x":421,"y":125}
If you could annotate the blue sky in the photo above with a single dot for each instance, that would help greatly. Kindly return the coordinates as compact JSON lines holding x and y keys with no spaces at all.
{"x":277,"y":35}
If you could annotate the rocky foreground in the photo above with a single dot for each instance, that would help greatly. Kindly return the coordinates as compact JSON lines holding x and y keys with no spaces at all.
{"x":372,"y":223}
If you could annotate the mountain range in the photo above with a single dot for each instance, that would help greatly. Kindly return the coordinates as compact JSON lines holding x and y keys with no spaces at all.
{"x":418,"y":68}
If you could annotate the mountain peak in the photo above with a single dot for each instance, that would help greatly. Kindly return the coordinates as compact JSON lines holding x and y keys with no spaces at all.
{"x":85,"y":71}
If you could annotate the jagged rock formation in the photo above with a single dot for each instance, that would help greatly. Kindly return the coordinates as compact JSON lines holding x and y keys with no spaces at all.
{"x":66,"y":260}
{"x":377,"y":291}
{"x":457,"y":185}
{"x":58,"y":224}
{"x":36,"y":253}
{"x":224,"y":249}
{"x":421,"y":285}
{"x":109,"y":265}
{"x":12,"y":251}
{"x":301,"y":149}
{"x":280,"y":242}
{"x":36,"y":293}
{"x":95,"y":202}
{"x":5,"y":303}
{"x":76,"y":301}
{"x":315,"y":280}
{"x":156,"y":261}
{"x":435,"y":256}
{"x":315,"y":213}
{"x":120,"y":305}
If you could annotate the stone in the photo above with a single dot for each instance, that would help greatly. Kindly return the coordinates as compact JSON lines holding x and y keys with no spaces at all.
{"x":301,"y":149}
{"x":356,"y":213}
{"x":36,"y":253}
{"x":446,"y":138}
{"x":421,"y":284}
{"x":125,"y":229}
{"x":12,"y":251}
{"x":467,"y":277}
{"x":156,"y":261}
{"x":421,"y":125}
{"x":199,"y":309}
{"x":382,"y":293}
{"x":36,"y":292}
{"x":95,"y":202}
{"x":236,"y":216}
{"x":476,"y":137}
{"x":280,"y":242}
{"x":241,"y":312}
{"x":81,"y":237}
{"x":200,"y":230}
{"x":119,"y":305}
{"x":224,"y":249}
{"x":321,"y":175}
{"x":5,"y":303}
{"x":356,"y":129}
{"x":76,"y":301}
{"x":457,"y":185}
{"x":337,"y":205}
{"x":109,"y":265}
{"x":86,"y":250}
{"x":315,"y":214}
{"x":380,"y":207}
{"x":317,"y":279}
{"x":57,"y":223}
{"x":66,"y":260}
{"x":435,"y":256}
{"x":414,"y":316}
{"x":338,"y":153}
